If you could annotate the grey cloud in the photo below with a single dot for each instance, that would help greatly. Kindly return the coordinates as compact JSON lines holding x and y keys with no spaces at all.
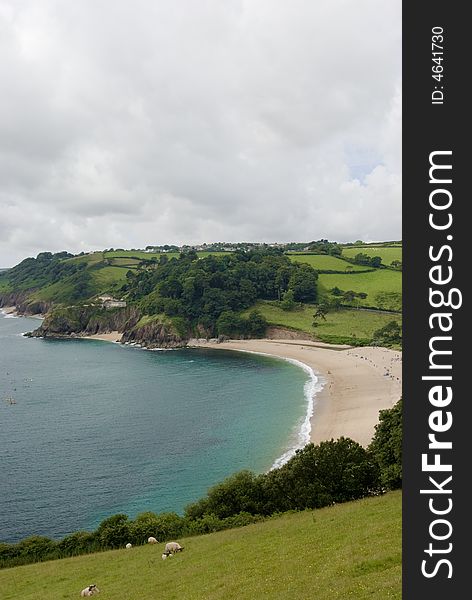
{"x":125,"y":124}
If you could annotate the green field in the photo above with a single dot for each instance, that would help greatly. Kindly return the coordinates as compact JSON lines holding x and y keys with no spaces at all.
{"x":372,"y":283}
{"x":350,"y":550}
{"x":388,"y":254}
{"x":324,"y":262}
{"x":342,"y":326}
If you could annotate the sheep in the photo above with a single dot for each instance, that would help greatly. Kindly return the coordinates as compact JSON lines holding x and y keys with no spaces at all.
{"x":128,"y":546}
{"x":152,"y":540}
{"x":171,"y":548}
{"x":90,"y":590}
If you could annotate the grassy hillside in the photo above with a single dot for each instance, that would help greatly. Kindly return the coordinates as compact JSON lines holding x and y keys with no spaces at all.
{"x":104,"y":272}
{"x":324,"y":262}
{"x":387,"y":253}
{"x":342,"y":326}
{"x":202,"y":291}
{"x":329,"y":554}
{"x":377,"y":284}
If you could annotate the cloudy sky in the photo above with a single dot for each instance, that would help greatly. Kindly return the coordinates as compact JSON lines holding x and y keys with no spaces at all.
{"x":180,"y":121}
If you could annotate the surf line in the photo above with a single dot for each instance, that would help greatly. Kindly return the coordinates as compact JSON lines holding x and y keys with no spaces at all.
{"x":313,"y":386}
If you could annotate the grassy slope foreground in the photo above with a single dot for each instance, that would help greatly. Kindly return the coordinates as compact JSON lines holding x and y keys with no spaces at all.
{"x":348,"y":551}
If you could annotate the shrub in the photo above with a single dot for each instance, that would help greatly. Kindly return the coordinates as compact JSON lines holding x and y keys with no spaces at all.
{"x":77,"y":543}
{"x":241,"y":492}
{"x":114,"y":532}
{"x":36,"y":548}
{"x":8,"y":552}
{"x":206,"y":524}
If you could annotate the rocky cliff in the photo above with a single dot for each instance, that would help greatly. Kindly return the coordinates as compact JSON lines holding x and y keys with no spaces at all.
{"x":24,"y":304}
{"x":63,"y":321}
{"x":154,"y":331}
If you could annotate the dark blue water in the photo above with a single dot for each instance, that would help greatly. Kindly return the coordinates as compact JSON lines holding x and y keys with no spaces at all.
{"x":100,"y":428}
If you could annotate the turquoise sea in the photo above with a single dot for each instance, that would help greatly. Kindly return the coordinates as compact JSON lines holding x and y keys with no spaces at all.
{"x":100,"y":428}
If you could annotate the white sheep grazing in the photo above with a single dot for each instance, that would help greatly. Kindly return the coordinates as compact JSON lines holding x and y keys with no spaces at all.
{"x":90,"y":590}
{"x":152,"y":540}
{"x":172,"y":548}
{"x":128,"y":546}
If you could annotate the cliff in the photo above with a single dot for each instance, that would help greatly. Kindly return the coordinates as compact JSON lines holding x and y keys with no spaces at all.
{"x":23,"y":302}
{"x":64,"y":321}
{"x":155,"y":331}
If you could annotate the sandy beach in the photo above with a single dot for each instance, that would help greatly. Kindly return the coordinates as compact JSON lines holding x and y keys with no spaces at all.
{"x":113,"y":336}
{"x":358,"y":382}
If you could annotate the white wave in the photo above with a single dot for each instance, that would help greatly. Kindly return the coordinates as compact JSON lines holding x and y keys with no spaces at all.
{"x":314,"y":385}
{"x":6,"y":315}
{"x":311,"y":388}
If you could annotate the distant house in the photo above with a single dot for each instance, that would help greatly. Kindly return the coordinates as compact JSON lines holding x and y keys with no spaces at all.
{"x":110,"y":302}
{"x":114,"y":304}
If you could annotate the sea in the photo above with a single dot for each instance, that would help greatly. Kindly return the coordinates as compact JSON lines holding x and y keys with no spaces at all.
{"x":89,"y":428}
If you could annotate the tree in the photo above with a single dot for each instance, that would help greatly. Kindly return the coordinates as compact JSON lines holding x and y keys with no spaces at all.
{"x":230,"y":324}
{"x":288,"y":302}
{"x":362,"y":259}
{"x":376,"y":261}
{"x":335,"y":304}
{"x":237,"y":493}
{"x":349,"y":296}
{"x":303,"y":284}
{"x":321,"y":312}
{"x":388,"y":335}
{"x":256,"y":324}
{"x":332,"y":471}
{"x":386,"y":446}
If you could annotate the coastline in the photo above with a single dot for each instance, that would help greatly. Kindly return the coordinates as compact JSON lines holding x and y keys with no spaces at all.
{"x":12,"y":311}
{"x":358,"y":382}
{"x":354,"y":383}
{"x":9,"y":310}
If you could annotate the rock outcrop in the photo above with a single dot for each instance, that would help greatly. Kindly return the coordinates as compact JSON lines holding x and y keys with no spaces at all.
{"x":76,"y":321}
{"x":23,"y":303}
{"x":155,"y":334}
{"x":154,"y":331}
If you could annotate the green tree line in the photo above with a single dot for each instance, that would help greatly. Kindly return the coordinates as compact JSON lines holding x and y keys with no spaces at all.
{"x":211,"y":291}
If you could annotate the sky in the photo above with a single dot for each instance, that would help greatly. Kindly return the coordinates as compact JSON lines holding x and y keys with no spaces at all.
{"x":126,"y":124}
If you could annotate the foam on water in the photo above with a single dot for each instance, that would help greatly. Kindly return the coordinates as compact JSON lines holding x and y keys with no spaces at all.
{"x":313,"y":386}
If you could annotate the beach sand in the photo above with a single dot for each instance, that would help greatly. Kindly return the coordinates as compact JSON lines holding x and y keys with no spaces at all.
{"x":113,"y":336}
{"x":358,"y":382}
